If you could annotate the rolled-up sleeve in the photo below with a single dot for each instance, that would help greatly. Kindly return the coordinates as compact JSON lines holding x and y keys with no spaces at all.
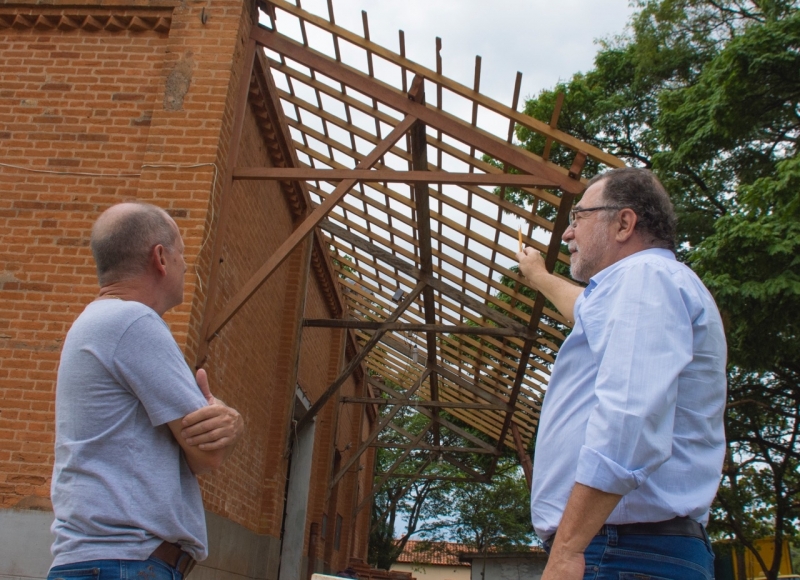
{"x":640,"y":345}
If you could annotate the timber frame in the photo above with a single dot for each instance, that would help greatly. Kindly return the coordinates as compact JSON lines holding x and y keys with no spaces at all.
{"x":406,"y":207}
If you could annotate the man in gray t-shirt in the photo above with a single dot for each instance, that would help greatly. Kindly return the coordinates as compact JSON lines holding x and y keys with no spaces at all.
{"x":133,"y":426}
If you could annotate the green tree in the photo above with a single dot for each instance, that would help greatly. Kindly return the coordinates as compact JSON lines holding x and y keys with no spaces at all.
{"x":706,"y":93}
{"x":423,"y":505}
{"x":496,"y":515}
{"x":440,"y":508}
{"x":417,"y":503}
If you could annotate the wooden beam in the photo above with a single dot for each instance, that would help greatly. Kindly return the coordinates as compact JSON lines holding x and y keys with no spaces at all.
{"x":443,"y":256}
{"x":440,"y":286}
{"x":553,"y":124}
{"x":465,"y":468}
{"x":409,"y":327}
{"x":561,"y":224}
{"x":422,"y":210}
{"x":449,"y":124}
{"x":401,"y":347}
{"x":433,"y":477}
{"x":385,"y":420}
{"x":465,"y":383}
{"x":454,"y":428}
{"x":443,"y":449}
{"x":331,"y":390}
{"x":388,"y":176}
{"x":397,"y":463}
{"x":446,"y":373}
{"x":522,"y":453}
{"x":505,"y":355}
{"x":391,"y":121}
{"x":300,"y":232}
{"x":426,"y":404}
{"x":492,"y":399}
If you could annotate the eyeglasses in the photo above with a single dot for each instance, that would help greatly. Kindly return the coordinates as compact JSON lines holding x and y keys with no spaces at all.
{"x":573,"y":214}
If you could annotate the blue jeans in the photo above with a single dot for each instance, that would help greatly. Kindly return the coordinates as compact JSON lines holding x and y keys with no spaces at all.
{"x":639,"y":557}
{"x":150,"y":569}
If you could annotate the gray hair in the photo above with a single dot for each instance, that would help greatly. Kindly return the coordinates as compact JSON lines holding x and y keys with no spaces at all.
{"x":641,"y":191}
{"x":122,"y":239}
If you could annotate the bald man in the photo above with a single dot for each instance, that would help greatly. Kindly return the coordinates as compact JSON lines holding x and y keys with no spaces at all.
{"x":134,"y":426}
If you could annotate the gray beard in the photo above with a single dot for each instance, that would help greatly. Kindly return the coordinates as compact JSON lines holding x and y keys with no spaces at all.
{"x":589,"y":264}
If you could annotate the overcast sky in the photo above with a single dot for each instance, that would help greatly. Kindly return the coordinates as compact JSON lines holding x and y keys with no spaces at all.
{"x":546,"y":40}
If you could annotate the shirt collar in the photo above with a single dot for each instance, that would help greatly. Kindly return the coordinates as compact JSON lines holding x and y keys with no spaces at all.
{"x":595,"y":280}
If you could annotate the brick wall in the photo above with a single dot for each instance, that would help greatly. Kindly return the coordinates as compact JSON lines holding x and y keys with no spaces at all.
{"x":130,"y":91}
{"x":69,"y":101}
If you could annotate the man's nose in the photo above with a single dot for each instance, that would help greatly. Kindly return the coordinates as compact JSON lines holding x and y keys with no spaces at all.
{"x":568,"y":234}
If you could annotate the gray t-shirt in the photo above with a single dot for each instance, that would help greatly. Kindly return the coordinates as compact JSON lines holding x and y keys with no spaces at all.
{"x":121,"y":484}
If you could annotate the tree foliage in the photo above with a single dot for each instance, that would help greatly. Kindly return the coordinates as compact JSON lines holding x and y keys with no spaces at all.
{"x":417,"y":505}
{"x":483,"y":515}
{"x":495,"y":515}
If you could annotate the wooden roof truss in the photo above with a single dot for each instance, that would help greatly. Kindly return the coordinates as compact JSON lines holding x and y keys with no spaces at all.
{"x":394,"y":185}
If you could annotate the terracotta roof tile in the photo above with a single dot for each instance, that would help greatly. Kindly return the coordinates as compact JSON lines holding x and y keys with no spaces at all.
{"x":441,"y":553}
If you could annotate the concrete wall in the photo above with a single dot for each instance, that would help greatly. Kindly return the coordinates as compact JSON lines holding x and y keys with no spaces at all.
{"x":436,"y":571}
{"x":500,"y":567}
{"x":25,"y":539}
{"x":235,"y":553}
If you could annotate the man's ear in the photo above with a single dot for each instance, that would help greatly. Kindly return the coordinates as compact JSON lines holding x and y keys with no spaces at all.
{"x":627,"y":224}
{"x":158,"y":259}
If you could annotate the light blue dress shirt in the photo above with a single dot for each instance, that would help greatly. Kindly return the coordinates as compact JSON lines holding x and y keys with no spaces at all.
{"x":636,"y":398}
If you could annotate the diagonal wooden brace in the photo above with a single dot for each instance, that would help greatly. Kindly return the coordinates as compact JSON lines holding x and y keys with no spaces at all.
{"x":305,"y":228}
{"x":351,"y":366}
{"x":385,"y":420}
{"x":377,"y":486}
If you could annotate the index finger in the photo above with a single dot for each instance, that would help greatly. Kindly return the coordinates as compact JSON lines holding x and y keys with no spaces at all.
{"x":201,"y":414}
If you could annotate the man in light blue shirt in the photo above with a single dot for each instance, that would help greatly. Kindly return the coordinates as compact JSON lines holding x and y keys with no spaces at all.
{"x":631,"y":442}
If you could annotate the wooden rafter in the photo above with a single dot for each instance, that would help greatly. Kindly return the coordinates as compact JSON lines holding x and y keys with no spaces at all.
{"x":385,"y":420}
{"x":387,"y":175}
{"x":351,"y":366}
{"x":446,"y":123}
{"x":441,"y":80}
{"x":280,"y":255}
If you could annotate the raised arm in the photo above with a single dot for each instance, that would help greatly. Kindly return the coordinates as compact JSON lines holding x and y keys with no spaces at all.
{"x":559,"y":291}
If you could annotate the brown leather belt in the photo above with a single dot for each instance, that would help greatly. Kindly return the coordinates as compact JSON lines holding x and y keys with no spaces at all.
{"x":173,"y":555}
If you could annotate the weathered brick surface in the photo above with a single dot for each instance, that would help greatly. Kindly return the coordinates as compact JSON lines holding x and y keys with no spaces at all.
{"x":152,"y":111}
{"x":57,"y":113}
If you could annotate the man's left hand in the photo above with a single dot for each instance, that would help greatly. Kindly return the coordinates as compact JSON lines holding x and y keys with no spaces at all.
{"x":215,"y":426}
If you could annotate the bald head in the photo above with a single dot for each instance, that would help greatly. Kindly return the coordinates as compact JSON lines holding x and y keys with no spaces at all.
{"x":124,"y":235}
